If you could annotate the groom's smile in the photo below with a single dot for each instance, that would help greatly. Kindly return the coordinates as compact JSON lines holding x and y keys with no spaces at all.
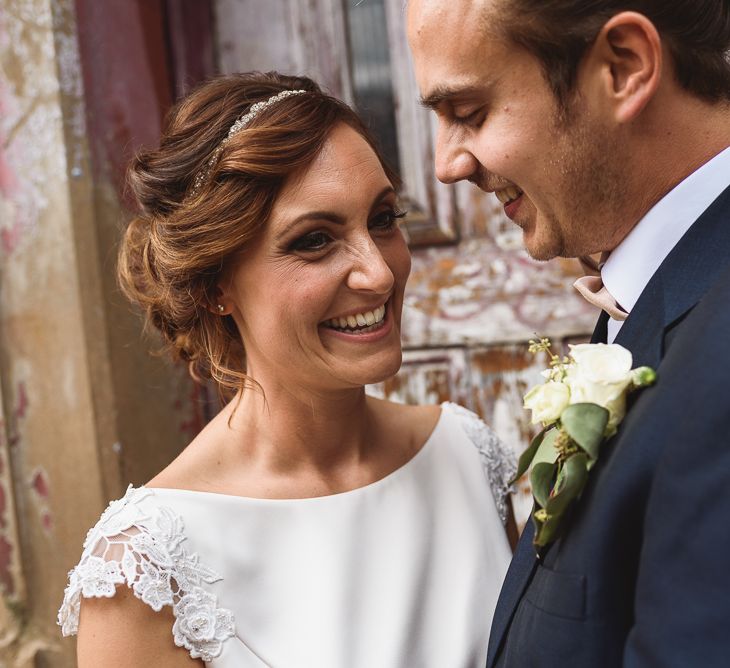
{"x":511,"y":198}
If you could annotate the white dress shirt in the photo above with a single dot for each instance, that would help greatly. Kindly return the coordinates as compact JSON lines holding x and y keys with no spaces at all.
{"x":629,"y":268}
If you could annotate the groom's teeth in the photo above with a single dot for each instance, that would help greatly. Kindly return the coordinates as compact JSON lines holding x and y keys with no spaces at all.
{"x":508,"y":194}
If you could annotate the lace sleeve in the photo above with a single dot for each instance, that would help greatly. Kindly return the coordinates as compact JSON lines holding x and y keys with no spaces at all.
{"x":145,"y":551}
{"x":497,"y":458}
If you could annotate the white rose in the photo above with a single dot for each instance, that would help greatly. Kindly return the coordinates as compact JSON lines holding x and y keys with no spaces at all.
{"x":547,"y":401}
{"x":602,"y":363}
{"x":601,"y":375}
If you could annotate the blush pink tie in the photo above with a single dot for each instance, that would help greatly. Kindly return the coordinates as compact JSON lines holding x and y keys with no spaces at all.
{"x":592,"y":289}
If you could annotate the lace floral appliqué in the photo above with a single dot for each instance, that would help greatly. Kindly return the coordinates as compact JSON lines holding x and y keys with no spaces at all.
{"x":145,"y":551}
{"x":497,"y":459}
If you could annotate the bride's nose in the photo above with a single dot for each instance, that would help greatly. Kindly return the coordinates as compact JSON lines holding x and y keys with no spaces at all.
{"x":369,"y":271}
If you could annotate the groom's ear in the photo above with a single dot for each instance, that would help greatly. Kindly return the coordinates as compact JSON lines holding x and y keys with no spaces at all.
{"x":624,"y":65}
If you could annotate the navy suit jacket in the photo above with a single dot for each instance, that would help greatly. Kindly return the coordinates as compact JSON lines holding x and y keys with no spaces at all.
{"x":641,"y":577}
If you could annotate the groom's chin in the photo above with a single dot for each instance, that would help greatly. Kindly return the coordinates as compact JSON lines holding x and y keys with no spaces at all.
{"x":539,"y":249}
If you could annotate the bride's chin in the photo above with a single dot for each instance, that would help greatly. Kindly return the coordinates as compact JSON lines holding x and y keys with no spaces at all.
{"x":378,"y":373}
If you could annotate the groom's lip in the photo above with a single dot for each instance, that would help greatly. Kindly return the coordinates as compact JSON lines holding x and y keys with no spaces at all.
{"x":511,"y":207}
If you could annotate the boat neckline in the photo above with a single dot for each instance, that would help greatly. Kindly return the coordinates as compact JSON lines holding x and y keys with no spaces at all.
{"x":389,"y":478}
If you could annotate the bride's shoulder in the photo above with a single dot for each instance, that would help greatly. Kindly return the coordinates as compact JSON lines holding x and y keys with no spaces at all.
{"x":140,"y":543}
{"x":497,"y":458}
{"x":416,"y":422}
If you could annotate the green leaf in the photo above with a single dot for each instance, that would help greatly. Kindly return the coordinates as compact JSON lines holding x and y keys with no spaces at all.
{"x":542,"y":478}
{"x":585,"y":424}
{"x":572,"y":480}
{"x":547,"y":453}
{"x":528,"y":455}
{"x":547,"y":531}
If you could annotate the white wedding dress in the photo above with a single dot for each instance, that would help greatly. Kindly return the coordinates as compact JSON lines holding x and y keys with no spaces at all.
{"x":404,"y":572}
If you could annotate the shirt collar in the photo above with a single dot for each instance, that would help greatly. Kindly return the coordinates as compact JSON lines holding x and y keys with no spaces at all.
{"x":629,"y":268}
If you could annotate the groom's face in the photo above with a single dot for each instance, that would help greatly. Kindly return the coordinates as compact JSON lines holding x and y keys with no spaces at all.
{"x":558,"y":173}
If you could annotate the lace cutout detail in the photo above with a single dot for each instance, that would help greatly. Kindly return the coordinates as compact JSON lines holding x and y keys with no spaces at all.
{"x":497,"y":458}
{"x":145,"y":551}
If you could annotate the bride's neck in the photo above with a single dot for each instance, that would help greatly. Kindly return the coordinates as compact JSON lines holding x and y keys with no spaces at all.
{"x":290,"y":428}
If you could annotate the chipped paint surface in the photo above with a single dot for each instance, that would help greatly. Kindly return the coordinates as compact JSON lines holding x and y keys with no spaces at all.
{"x":30,"y":121}
{"x":477,"y":293}
{"x":40,"y":492}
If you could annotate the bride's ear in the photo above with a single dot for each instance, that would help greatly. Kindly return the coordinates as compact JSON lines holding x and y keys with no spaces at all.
{"x":627,"y":58}
{"x":219,"y":303}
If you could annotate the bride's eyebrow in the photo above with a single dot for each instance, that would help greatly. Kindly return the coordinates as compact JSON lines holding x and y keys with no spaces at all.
{"x":329,"y":216}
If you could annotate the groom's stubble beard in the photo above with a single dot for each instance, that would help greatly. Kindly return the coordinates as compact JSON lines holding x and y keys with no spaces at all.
{"x":590,"y":164}
{"x":582,"y":185}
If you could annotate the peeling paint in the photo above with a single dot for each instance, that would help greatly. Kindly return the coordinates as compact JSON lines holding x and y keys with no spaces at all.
{"x":477,"y":293}
{"x":29,"y":122}
{"x":39,"y":484}
{"x":40,"y":487}
{"x":21,"y":405}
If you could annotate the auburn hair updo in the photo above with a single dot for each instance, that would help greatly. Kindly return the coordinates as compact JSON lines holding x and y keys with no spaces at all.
{"x":182,"y":240}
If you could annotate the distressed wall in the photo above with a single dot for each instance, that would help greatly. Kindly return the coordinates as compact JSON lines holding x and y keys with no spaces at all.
{"x":52,"y":359}
{"x":84,"y":408}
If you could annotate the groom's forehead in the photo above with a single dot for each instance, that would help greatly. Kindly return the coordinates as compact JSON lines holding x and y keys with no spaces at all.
{"x":453,"y":55}
{"x":448,"y":15}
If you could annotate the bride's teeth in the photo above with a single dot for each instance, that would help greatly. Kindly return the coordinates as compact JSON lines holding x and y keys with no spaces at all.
{"x":366,"y":319}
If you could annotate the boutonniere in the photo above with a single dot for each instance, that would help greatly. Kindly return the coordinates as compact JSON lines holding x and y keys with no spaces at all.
{"x":580,"y":405}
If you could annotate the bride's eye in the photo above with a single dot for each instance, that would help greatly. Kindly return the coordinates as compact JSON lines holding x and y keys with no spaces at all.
{"x":311,"y":242}
{"x":385,"y":220}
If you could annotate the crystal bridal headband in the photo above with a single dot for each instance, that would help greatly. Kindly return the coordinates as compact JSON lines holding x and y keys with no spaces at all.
{"x":239,"y":124}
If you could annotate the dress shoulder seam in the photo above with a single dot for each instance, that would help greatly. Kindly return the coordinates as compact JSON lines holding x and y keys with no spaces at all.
{"x":498,"y":460}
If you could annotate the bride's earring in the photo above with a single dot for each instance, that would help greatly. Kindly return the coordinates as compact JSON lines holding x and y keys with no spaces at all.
{"x":221,"y":309}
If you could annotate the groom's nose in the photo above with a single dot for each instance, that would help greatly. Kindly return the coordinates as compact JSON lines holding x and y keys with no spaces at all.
{"x":454,"y":162}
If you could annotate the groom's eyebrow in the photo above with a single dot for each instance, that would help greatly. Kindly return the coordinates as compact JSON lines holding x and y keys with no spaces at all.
{"x":443,"y":94}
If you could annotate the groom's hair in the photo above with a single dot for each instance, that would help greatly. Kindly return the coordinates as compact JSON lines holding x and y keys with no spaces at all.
{"x":558,"y":33}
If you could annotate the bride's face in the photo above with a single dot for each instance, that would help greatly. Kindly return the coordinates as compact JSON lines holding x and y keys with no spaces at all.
{"x":318,"y":297}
